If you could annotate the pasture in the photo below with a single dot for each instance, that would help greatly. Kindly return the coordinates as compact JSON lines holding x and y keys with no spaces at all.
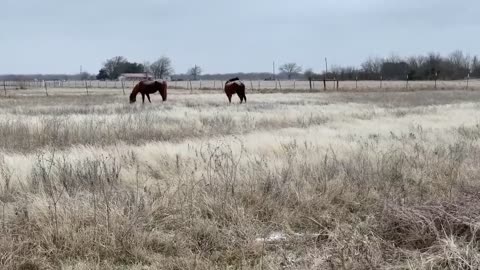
{"x":338,"y":180}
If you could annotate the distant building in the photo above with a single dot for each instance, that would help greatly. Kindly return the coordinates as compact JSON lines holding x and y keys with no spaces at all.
{"x":135,"y":76}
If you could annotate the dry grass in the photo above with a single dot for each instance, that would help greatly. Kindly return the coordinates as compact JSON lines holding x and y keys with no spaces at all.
{"x":287,"y":181}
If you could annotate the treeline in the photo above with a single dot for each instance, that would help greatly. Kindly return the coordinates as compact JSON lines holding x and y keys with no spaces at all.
{"x":455,"y":66}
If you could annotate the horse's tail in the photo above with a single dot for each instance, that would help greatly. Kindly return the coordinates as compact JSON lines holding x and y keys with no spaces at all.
{"x":163,"y":90}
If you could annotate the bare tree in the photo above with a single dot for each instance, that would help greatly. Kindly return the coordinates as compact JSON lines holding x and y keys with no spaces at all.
{"x":475,"y":67}
{"x":162,"y":68}
{"x":290,"y":69}
{"x":458,"y":59}
{"x":372,"y":65}
{"x":147,"y":67}
{"x":195,"y":72}
{"x":113,"y":66}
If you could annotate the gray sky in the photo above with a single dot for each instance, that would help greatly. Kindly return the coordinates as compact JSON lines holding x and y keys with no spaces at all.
{"x":57,"y":36}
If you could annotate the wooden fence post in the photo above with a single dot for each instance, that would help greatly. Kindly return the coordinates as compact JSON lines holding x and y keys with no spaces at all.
{"x":381,"y":82}
{"x":468,"y":78}
{"x":214,"y":84}
{"x":5,"y":87}
{"x":46,"y":89}
{"x":310,"y":83}
{"x":407,"y":82}
{"x":123,"y":87}
{"x":258,"y":85}
{"x":86,"y":87}
{"x":436,"y":77}
{"x":356,"y":82}
{"x":251,"y":85}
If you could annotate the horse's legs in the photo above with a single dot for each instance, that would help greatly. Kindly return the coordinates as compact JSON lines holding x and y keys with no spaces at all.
{"x":229,"y":98}
{"x":242,"y":97}
{"x":148,"y":96}
{"x":143,"y":98}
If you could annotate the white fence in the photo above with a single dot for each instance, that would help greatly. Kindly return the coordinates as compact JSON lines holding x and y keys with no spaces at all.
{"x":472,"y":84}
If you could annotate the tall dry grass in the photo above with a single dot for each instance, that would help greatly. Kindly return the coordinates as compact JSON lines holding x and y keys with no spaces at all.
{"x":294,"y":182}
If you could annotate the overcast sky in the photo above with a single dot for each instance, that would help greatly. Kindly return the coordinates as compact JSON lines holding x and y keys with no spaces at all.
{"x":57,"y":36}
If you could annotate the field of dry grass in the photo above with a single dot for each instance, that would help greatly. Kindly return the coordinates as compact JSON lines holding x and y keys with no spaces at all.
{"x":374,"y":180}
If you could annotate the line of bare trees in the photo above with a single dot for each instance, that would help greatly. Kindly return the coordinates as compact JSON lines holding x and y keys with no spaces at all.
{"x":454,"y":66}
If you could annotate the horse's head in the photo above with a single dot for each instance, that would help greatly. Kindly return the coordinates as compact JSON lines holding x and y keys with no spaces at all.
{"x":133,"y":98}
{"x":162,"y":88}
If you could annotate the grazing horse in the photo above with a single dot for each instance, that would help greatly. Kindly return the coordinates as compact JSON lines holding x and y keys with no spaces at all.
{"x":147,"y":88}
{"x":233,"y":86}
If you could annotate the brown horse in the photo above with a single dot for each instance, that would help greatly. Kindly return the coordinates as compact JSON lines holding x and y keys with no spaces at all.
{"x":149,"y":87}
{"x":233,"y":86}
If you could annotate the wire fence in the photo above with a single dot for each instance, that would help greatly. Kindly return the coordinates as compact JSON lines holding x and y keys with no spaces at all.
{"x":252,"y":85}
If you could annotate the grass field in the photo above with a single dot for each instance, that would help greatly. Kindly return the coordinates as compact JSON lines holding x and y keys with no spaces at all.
{"x":372,"y":180}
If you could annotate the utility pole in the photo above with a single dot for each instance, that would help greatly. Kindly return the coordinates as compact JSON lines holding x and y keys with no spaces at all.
{"x":326,"y":67}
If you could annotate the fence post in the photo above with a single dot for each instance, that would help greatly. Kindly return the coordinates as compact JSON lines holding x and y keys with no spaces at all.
{"x":258,"y":85}
{"x":338,"y":84}
{"x":5,"y":88}
{"x":356,"y":82}
{"x":468,"y":78}
{"x":436,"y":77}
{"x":310,"y":82}
{"x":251,"y":85}
{"x":214,"y":84}
{"x":86,"y":87}
{"x":280,"y":85}
{"x":381,"y":82}
{"x":324,"y":84}
{"x":123,"y":87}
{"x":46,"y":89}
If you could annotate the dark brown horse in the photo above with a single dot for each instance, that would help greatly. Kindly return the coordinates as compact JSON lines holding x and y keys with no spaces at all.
{"x":149,"y":87}
{"x":233,"y":86}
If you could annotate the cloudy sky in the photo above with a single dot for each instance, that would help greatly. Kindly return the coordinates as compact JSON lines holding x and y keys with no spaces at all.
{"x":57,"y":36}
